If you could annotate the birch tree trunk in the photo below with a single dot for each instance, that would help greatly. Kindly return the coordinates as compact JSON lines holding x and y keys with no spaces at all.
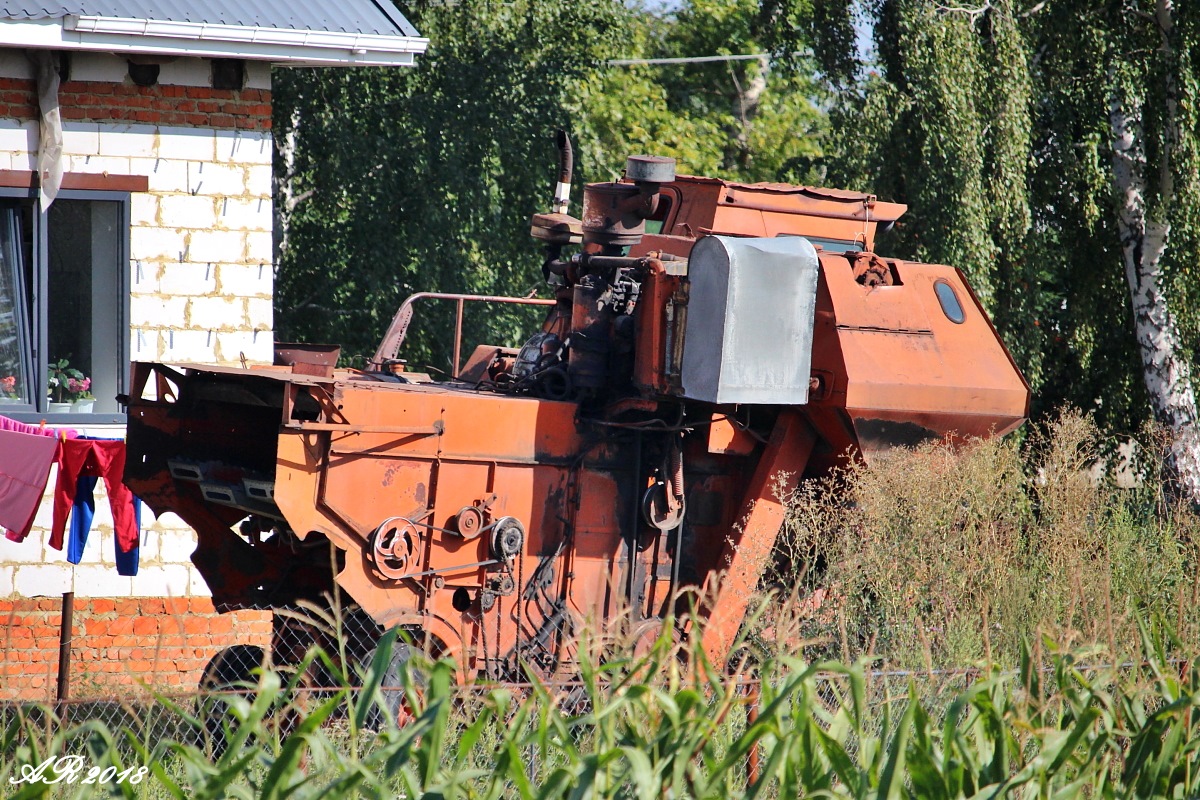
{"x":286,"y":198}
{"x":745,"y":108}
{"x":1144,"y":239}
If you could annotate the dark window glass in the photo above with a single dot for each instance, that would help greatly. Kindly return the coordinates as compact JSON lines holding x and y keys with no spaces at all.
{"x":16,"y":362}
{"x":63,"y":303}
{"x":949,"y":300}
{"x":85,"y":300}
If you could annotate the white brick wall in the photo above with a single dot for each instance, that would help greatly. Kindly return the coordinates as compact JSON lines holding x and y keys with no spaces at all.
{"x":181,"y":278}
{"x":202,"y":232}
{"x":19,"y":136}
{"x":83,"y":138}
{"x":201,"y":286}
{"x":186,"y":211}
{"x":237,"y":147}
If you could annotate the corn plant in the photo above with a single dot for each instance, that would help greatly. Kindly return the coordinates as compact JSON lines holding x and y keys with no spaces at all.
{"x":1063,"y":724}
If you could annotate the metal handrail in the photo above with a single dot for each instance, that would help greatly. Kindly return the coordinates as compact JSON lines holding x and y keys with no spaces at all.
{"x":396,"y":332}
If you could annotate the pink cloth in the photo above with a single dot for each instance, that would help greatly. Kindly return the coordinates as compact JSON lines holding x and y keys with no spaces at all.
{"x":7,"y":424}
{"x":25,"y":460}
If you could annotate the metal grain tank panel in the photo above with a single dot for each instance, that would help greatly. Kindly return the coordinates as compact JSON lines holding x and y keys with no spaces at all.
{"x":750,"y":320}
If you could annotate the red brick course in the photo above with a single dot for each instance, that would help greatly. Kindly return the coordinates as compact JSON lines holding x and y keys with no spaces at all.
{"x":180,"y":106}
{"x":156,"y":642}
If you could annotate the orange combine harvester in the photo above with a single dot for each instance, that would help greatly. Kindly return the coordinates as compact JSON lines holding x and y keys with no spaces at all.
{"x":708,"y":345}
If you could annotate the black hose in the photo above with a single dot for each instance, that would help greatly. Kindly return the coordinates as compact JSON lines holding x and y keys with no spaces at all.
{"x":566,"y":157}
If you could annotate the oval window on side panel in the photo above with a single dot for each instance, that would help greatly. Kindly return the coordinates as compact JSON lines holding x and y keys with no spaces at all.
{"x":949,"y":300}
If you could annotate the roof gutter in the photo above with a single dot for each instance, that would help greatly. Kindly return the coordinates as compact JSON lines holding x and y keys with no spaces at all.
{"x":280,"y":45}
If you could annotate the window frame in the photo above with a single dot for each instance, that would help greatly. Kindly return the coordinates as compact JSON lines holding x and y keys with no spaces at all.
{"x":38,"y":296}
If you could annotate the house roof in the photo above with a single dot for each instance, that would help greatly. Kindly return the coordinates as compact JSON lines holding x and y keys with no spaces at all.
{"x":342,"y":32}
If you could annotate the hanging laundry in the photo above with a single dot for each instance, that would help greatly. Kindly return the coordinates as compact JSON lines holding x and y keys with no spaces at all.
{"x":24,"y":472}
{"x":98,"y":458}
{"x":7,"y":424}
{"x":82,"y":513}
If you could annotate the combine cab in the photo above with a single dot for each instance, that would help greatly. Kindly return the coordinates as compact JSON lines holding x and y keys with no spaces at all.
{"x":707,"y":345}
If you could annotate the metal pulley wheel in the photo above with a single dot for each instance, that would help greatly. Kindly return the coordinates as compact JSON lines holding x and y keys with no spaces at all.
{"x":394,"y":548}
{"x":469,"y":522}
{"x":508,"y":537}
{"x":658,"y":512}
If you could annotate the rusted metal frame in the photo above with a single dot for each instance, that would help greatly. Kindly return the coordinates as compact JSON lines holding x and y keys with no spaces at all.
{"x":458,"y":320}
{"x":862,"y":211}
{"x":289,"y":403}
{"x":379,"y":451}
{"x":636,"y":608}
{"x":162,"y":389}
{"x":436,"y":429}
{"x":875,"y":329}
{"x":322,"y":500}
{"x":400,"y":322}
{"x":748,"y":547}
{"x":323,"y":394}
{"x":431,"y":498}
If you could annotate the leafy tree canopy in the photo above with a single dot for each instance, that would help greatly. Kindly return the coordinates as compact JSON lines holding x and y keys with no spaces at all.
{"x":424,"y":179}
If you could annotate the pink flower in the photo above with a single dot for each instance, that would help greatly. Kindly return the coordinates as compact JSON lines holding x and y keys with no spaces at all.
{"x":9,"y":384}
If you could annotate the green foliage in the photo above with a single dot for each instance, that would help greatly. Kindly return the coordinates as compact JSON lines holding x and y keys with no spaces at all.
{"x":1064,"y":724}
{"x":424,"y":179}
{"x":992,"y":122}
{"x":750,"y":120}
{"x":391,"y":182}
{"x":944,"y":126}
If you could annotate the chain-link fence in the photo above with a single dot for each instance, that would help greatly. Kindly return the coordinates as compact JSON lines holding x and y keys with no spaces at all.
{"x":140,"y":723}
{"x":354,"y":697}
{"x":655,"y":724}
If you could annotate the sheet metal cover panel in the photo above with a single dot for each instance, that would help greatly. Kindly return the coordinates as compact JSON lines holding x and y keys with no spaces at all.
{"x":750,"y":320}
{"x":348,"y":16}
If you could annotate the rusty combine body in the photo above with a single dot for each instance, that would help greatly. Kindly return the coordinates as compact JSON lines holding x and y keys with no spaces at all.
{"x":708,"y":345}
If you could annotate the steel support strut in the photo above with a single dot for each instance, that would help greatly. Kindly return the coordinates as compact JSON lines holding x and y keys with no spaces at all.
{"x":747,"y":551}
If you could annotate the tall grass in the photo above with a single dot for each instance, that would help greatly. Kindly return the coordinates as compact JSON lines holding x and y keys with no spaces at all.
{"x":944,"y":556}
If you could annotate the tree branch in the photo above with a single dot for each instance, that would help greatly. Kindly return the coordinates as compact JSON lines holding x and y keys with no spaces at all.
{"x":973,"y":13}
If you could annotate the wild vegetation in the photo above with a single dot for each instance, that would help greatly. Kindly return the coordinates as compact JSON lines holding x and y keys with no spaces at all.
{"x":998,"y":620}
{"x":942,"y":556}
{"x":1068,"y":724}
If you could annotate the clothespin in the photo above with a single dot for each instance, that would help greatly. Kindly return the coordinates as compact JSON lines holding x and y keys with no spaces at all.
{"x":42,"y":425}
{"x":62,"y":434}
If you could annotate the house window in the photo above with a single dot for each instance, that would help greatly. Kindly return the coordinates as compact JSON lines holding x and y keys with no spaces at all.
{"x":64,"y":296}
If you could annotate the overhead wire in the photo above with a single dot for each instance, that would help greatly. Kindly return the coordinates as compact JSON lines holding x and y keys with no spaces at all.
{"x":637,"y":62}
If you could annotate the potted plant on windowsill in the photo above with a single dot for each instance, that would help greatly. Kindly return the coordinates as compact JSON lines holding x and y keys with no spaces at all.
{"x":8,"y":390}
{"x":69,"y":389}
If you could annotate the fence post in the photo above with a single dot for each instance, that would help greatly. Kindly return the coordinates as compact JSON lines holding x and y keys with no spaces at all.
{"x":66,"y":622}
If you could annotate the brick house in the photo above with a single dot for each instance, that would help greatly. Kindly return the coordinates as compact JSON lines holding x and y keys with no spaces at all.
{"x":150,"y":132}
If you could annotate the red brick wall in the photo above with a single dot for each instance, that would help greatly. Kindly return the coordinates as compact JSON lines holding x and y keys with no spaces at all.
{"x":182,"y":106}
{"x":117,"y":644}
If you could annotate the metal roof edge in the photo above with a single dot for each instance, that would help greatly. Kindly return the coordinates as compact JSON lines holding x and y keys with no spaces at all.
{"x":393,"y":13}
{"x":276,"y":45}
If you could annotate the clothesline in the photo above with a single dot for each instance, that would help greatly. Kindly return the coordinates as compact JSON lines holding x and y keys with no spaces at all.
{"x":27,"y":452}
